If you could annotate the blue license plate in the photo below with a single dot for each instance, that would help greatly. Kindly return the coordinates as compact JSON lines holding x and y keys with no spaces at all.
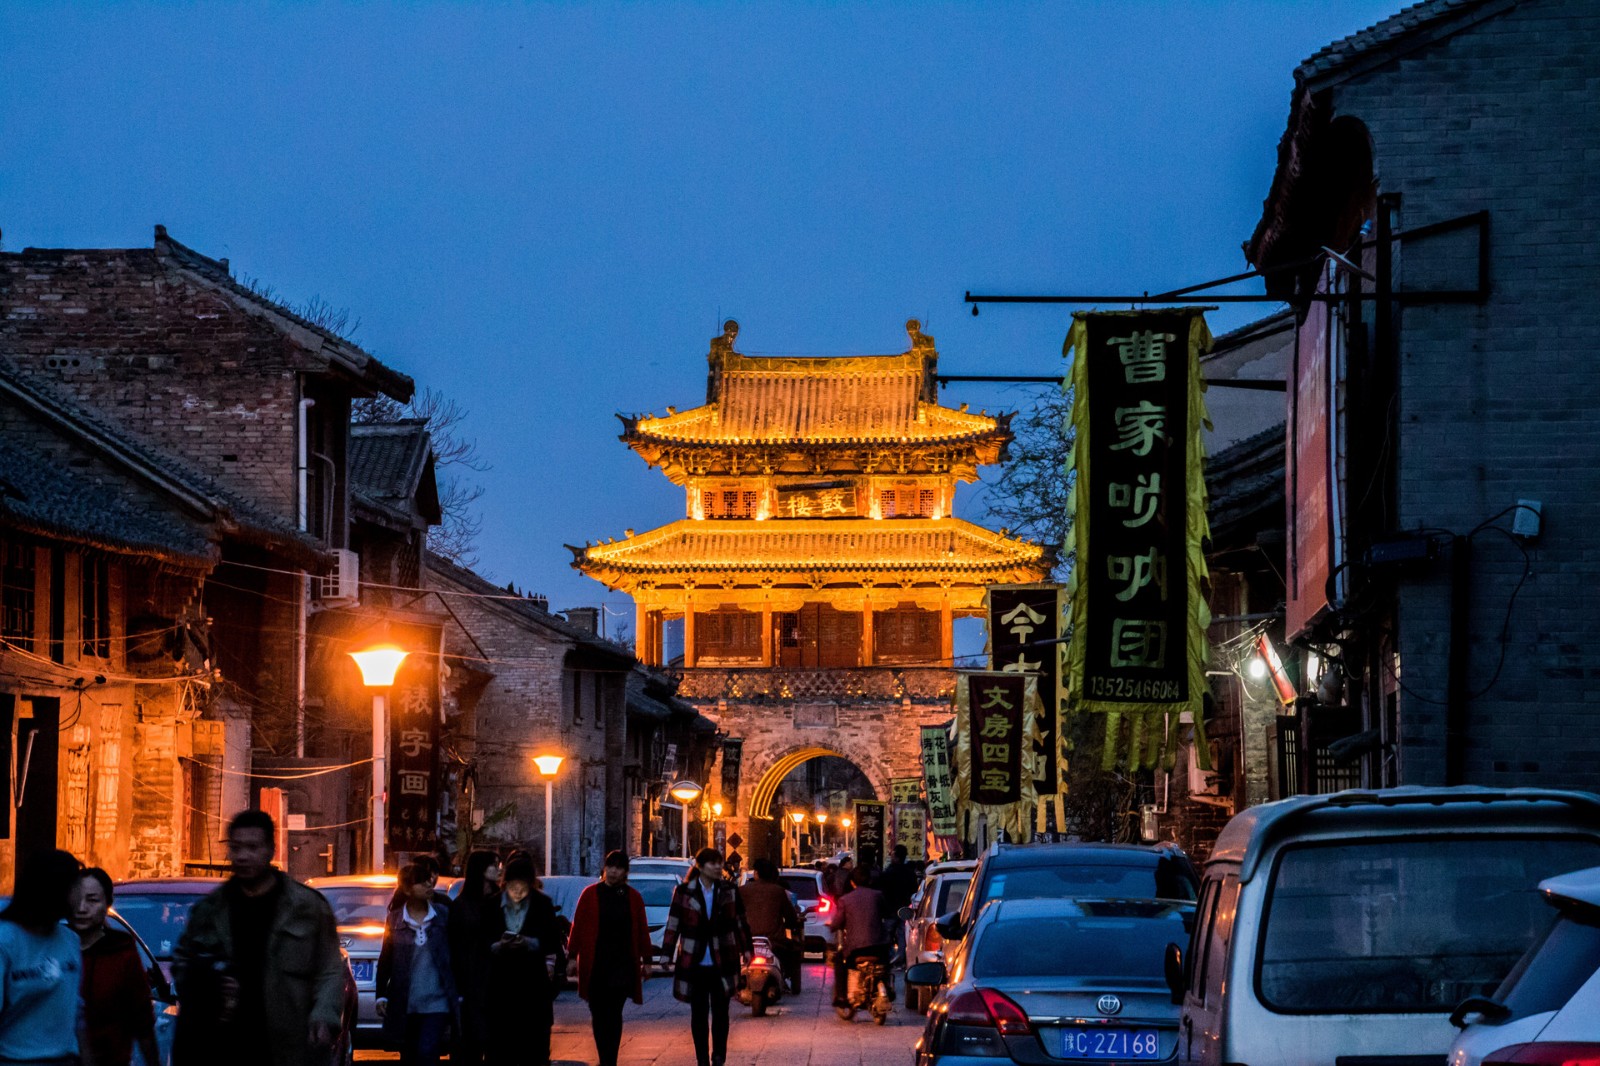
{"x":1127,"y":1044}
{"x":364,"y":970}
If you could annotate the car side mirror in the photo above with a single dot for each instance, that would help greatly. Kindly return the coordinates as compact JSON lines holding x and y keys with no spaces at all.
{"x":926,"y":973}
{"x":949,"y":926}
{"x":1478,"y":1009}
{"x":1172,"y":966}
{"x":159,"y":986}
{"x":905,"y":914}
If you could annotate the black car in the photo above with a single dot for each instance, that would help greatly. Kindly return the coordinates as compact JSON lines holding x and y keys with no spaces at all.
{"x":1065,"y":871}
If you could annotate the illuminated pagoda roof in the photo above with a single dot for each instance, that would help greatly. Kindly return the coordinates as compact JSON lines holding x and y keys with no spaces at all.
{"x":800,"y":551}
{"x":767,"y":412}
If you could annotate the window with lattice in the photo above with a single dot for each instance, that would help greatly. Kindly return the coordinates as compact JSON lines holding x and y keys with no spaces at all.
{"x":16,"y":595}
{"x":730,"y":503}
{"x":730,"y":634}
{"x":906,"y":635}
{"x":908,"y":502}
{"x":94,"y":607}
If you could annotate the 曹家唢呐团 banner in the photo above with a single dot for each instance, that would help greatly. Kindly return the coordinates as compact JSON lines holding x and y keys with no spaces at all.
{"x":1138,"y":513}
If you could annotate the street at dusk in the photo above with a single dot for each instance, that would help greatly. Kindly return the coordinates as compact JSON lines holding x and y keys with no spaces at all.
{"x":765,"y":533}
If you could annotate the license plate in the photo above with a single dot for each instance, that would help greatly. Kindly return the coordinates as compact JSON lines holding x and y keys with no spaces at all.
{"x":1129,"y":1044}
{"x":363,"y":969}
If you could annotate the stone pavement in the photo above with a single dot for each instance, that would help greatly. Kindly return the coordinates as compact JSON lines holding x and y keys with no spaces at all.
{"x":799,"y":1031}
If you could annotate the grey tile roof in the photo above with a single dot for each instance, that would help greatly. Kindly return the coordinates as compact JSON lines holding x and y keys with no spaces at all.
{"x":523,"y":606}
{"x":1245,"y":485}
{"x":387,"y":459}
{"x":1398,"y":28}
{"x":161,"y":469}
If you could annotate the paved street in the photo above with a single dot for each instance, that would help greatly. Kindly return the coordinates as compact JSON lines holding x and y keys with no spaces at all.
{"x":802,"y":1031}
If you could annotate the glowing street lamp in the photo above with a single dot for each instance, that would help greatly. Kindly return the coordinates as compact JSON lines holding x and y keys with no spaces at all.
{"x":716,"y":809}
{"x":845,"y":821}
{"x":685,"y":792}
{"x":378,"y":665}
{"x":548,"y":766}
{"x":797,"y":817}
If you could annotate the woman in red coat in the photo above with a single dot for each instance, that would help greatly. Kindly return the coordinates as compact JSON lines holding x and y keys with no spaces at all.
{"x":610,"y":949}
{"x":116,"y":991}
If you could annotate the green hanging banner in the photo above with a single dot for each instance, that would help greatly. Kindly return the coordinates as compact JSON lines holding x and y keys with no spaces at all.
{"x":1138,"y":512}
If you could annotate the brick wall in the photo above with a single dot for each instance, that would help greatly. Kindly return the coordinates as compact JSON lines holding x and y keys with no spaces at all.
{"x":1498,"y":402}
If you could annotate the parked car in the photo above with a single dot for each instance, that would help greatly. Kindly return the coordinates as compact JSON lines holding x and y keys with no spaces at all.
{"x":1345,"y":928}
{"x":816,"y":906}
{"x":658,"y":864}
{"x":944,"y":887}
{"x":1042,"y":980}
{"x":158,"y":909}
{"x":1548,"y":1009}
{"x":360,"y":905}
{"x":1068,"y":871}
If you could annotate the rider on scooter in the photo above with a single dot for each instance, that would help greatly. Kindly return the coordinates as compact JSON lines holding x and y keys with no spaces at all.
{"x":860,"y":920}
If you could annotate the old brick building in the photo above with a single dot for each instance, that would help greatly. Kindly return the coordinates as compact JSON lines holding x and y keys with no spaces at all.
{"x":166,"y":345}
{"x":1448,"y":151}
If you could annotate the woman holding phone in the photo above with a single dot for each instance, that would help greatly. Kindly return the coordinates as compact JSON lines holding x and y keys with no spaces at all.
{"x":520,"y":932}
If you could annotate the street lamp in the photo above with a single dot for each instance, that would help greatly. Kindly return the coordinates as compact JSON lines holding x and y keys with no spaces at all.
{"x":797,"y":817}
{"x":549,"y":766}
{"x":845,"y":821}
{"x":685,"y":792}
{"x":716,"y":809}
{"x":822,"y":830}
{"x":378,"y":665}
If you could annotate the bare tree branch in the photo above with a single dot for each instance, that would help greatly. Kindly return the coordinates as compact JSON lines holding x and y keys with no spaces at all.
{"x":1030,"y":496}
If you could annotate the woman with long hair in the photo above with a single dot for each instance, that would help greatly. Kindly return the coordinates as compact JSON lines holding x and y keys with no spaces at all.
{"x":416,"y":988}
{"x":116,"y":989}
{"x":40,"y":964}
{"x":469,"y":956}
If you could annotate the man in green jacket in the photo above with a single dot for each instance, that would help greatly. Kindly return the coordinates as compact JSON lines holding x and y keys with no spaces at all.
{"x":259,"y":974}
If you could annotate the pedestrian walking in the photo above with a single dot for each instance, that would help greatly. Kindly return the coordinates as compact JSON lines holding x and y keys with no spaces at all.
{"x":116,"y":990}
{"x":259,"y":973}
{"x":40,"y":964}
{"x":416,"y":987}
{"x":519,"y":932}
{"x":860,"y":930}
{"x":708,"y":940}
{"x":898,"y":883}
{"x":469,"y":956}
{"x":836,"y":875}
{"x":609,"y":951}
{"x":770,"y":913}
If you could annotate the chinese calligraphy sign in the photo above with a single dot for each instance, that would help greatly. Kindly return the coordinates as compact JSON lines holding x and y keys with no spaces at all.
{"x":1021,"y":619}
{"x":938,"y":780}
{"x":413,"y":739}
{"x":996,"y":709}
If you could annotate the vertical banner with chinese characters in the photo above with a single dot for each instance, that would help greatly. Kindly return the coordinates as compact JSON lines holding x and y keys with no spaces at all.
{"x":1020,"y":618}
{"x":911,"y":830}
{"x":732,"y":756}
{"x":1138,"y":512}
{"x":870,"y":832}
{"x":413,"y":739}
{"x":997,"y":721}
{"x":938,"y":781}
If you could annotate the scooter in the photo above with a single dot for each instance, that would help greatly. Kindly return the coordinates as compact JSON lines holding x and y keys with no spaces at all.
{"x":763,"y":978}
{"x":868,"y":988}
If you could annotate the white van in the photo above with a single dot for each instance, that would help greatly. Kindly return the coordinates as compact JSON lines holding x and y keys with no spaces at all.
{"x":1342,"y":930}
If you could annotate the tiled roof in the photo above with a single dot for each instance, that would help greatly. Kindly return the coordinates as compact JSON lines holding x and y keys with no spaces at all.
{"x":523,"y":606}
{"x":1245,"y":485}
{"x":785,"y":400}
{"x":162,"y":469}
{"x":41,"y":496}
{"x":386,"y":458}
{"x":1396,"y":29}
{"x":891,"y":545}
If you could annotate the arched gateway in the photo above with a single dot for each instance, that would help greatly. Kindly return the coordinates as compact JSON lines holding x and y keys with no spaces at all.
{"x":818,"y":569}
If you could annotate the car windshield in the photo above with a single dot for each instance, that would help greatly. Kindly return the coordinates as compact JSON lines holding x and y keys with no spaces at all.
{"x":803,"y":886}
{"x":657,"y":891}
{"x":1405,"y":926}
{"x":1096,"y":880}
{"x":158,"y":918}
{"x":359,"y":904}
{"x":1107,"y":944}
{"x":952,"y":890}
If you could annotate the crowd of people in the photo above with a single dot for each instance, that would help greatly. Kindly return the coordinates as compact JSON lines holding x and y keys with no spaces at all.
{"x":262,"y":980}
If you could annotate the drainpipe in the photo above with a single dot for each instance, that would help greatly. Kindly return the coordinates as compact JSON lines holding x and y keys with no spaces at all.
{"x":303,"y":508}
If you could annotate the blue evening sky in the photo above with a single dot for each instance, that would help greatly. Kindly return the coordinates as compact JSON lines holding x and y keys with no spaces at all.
{"x":546,"y":210}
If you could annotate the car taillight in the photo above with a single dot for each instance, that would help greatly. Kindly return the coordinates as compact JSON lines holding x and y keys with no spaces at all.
{"x":1553,"y":1053}
{"x":824,"y":904}
{"x":990,"y":1009}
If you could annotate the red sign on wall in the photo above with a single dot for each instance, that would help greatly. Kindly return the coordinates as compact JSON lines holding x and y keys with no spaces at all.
{"x":1312,"y":509}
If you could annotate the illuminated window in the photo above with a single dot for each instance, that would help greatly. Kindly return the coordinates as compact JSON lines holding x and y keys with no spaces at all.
{"x":730,"y":503}
{"x":905,"y":635}
{"x":907,"y":502}
{"x":727,"y":635}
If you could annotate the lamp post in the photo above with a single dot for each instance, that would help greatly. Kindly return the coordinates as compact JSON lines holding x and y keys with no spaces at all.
{"x":822,"y":830}
{"x":378,"y":665}
{"x":797,"y":817}
{"x":549,"y":766}
{"x":685,"y":792}
{"x":845,"y":822}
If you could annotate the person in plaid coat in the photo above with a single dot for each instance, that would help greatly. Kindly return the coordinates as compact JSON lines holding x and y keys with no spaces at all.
{"x":709,"y":942}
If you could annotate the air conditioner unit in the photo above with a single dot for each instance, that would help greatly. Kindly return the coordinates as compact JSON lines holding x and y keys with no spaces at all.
{"x":341,"y":586}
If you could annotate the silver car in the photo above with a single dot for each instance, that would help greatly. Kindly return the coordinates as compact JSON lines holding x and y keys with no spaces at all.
{"x":944,"y":887}
{"x":1548,"y":1009}
{"x":1040,"y":980}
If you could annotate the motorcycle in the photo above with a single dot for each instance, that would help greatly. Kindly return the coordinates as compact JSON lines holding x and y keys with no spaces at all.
{"x":868,"y":988}
{"x":762,"y":984}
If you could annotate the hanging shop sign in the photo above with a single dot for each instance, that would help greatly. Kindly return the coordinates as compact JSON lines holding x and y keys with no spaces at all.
{"x":938,"y":780}
{"x":732,"y":756}
{"x":905,"y":790}
{"x":911,"y":831}
{"x":997,"y":721}
{"x":1138,"y":510}
{"x":821,"y":499}
{"x":871,"y":827}
{"x":1020,"y":618}
{"x":414,"y":715}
